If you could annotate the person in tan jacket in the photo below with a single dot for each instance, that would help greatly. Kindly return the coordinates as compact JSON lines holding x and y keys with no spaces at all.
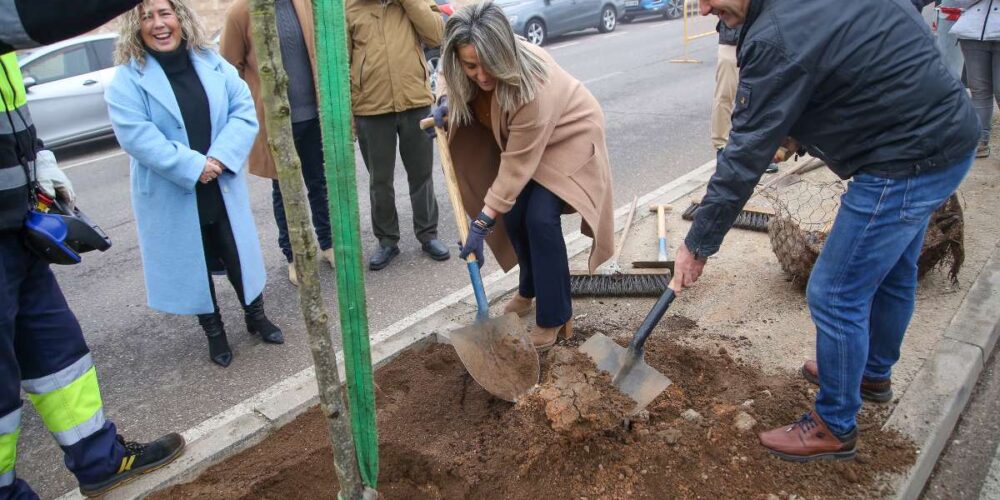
{"x":390,"y":94}
{"x":298,"y":54}
{"x":527,"y":147}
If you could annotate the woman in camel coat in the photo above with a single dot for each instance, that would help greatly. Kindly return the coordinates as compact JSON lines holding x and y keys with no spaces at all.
{"x":527,"y":141}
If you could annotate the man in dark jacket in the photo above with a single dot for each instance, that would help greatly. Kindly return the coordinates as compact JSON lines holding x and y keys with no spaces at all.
{"x":42,"y":349}
{"x":865,"y":90}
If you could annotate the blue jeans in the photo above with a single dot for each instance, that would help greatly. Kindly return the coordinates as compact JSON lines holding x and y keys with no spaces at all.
{"x":863,"y":288}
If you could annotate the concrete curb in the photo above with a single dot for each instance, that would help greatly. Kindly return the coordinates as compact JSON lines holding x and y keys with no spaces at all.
{"x":250,"y":421}
{"x":929,"y":409}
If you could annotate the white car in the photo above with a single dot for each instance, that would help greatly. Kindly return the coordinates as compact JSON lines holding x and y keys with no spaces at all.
{"x":65,"y":83}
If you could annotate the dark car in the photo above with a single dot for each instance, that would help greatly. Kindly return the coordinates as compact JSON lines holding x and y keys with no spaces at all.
{"x":668,"y":9}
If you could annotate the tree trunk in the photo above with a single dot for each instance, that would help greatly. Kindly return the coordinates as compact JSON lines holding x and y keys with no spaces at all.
{"x":274,"y":87}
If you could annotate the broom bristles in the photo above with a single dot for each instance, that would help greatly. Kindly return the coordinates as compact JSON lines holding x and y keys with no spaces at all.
{"x":747,"y":219}
{"x":618,"y":285}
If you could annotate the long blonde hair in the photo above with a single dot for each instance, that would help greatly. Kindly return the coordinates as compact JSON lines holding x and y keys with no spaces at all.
{"x":130,"y":44}
{"x":518,"y":71}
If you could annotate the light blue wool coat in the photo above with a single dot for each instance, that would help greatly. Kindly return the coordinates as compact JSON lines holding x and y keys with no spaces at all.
{"x":164,"y":172}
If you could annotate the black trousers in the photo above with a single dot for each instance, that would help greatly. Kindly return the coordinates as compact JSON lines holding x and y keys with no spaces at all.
{"x":309,"y":146}
{"x":535,"y":229}
{"x":377,"y":138}
{"x":221,"y":254}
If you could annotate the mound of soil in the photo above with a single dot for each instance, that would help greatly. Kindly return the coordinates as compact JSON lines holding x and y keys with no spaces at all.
{"x":579,"y":399}
{"x":442,"y":436}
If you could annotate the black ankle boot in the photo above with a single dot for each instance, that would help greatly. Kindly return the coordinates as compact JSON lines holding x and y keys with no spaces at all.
{"x":258,"y":324}
{"x":218,"y":345}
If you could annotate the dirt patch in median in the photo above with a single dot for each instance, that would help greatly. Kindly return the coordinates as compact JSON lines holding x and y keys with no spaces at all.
{"x":442,"y":436}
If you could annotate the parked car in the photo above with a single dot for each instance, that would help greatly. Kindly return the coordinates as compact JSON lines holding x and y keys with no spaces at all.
{"x":65,"y":83}
{"x":433,"y":54}
{"x":668,"y":9}
{"x":539,"y":20}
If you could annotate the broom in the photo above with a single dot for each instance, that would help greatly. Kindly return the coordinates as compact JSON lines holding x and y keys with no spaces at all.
{"x":757,"y":217}
{"x":611,"y":281}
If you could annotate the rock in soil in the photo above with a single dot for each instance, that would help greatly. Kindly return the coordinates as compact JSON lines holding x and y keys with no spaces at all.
{"x":744,"y":422}
{"x":579,"y":399}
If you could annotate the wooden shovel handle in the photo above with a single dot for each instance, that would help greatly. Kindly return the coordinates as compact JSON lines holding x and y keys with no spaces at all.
{"x":450,"y":181}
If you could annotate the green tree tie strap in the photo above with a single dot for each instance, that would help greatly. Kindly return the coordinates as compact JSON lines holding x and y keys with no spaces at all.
{"x":338,"y":154}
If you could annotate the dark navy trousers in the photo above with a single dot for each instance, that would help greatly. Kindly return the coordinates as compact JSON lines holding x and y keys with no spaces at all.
{"x":42,"y":350}
{"x":535,"y":229}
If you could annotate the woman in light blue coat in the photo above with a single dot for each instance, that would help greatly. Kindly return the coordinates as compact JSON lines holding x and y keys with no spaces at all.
{"x":978,"y":33}
{"x":188,"y":122}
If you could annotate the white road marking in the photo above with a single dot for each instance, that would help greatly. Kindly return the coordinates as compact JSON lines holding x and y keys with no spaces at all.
{"x":563,"y":45}
{"x":93,"y":160}
{"x":602,"y":77}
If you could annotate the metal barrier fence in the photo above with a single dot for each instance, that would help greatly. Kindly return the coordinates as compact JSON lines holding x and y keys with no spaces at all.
{"x":694,"y":22}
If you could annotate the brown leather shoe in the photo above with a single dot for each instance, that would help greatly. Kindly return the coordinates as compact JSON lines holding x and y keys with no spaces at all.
{"x":809,"y":439}
{"x":518,"y":304}
{"x":876,"y":391}
{"x":544,"y":338}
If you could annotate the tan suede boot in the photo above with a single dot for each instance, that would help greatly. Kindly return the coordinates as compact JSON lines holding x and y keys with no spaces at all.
{"x":544,"y":338}
{"x":518,"y":304}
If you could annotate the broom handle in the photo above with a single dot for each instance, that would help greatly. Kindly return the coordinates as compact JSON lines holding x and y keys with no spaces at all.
{"x":458,"y":210}
{"x":628,"y":224}
{"x":661,"y":232}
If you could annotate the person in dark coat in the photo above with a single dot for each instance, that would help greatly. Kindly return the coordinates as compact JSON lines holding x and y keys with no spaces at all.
{"x":860,"y":85}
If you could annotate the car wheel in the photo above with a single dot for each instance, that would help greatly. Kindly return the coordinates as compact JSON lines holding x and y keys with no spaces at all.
{"x":674,"y":9}
{"x":609,"y":19}
{"x":534,"y":31}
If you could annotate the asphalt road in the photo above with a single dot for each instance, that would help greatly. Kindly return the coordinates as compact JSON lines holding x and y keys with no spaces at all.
{"x":154,"y":369}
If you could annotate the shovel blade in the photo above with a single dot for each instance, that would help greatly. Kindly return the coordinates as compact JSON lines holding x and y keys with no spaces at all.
{"x":499,"y":355}
{"x":639,"y":381}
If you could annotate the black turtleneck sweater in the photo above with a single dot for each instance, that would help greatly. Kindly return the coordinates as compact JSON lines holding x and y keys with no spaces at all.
{"x":193,"y":103}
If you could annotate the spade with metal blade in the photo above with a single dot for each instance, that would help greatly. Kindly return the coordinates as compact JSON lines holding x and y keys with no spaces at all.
{"x":496,"y":351}
{"x":629,"y":372}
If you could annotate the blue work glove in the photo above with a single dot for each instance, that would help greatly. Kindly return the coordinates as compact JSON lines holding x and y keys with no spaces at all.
{"x":479,"y":229}
{"x":440,"y":114}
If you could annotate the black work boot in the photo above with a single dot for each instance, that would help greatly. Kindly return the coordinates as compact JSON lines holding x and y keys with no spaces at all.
{"x":382,"y":257}
{"x":258,"y":324}
{"x":139,"y":459}
{"x":218,"y":345}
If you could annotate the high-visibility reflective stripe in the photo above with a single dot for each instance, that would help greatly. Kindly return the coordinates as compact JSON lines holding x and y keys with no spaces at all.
{"x":59,"y":379}
{"x":12,"y":177}
{"x":86,"y":429}
{"x":8,"y":451}
{"x":21,"y":118}
{"x":69,"y":406}
{"x":13,"y":92}
{"x":10,"y":422}
{"x":13,"y":32}
{"x":6,"y":479}
{"x":10,"y":427}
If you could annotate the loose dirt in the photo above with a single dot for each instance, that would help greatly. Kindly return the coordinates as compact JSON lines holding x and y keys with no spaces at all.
{"x":442,"y":436}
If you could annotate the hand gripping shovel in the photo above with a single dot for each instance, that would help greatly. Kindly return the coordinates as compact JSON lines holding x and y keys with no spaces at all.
{"x":629,"y":371}
{"x":496,"y":351}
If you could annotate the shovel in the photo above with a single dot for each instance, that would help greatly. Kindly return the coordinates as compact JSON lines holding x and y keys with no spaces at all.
{"x":496,"y":351}
{"x":629,"y":372}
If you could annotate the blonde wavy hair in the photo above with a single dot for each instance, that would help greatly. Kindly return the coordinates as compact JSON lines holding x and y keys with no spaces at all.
{"x":130,"y":45}
{"x":519,"y":72}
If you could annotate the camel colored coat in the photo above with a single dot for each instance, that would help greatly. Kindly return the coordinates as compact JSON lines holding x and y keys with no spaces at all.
{"x":557,"y":140}
{"x":236,"y":46}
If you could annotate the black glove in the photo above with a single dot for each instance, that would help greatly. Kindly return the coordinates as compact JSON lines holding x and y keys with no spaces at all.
{"x":479,"y":229}
{"x":440,"y":114}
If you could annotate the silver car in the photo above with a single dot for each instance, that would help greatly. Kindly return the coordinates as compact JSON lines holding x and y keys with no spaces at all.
{"x":538,"y":20}
{"x":65,"y":83}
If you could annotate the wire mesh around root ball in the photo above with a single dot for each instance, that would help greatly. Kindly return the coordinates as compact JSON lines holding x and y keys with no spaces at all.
{"x":804,"y":215}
